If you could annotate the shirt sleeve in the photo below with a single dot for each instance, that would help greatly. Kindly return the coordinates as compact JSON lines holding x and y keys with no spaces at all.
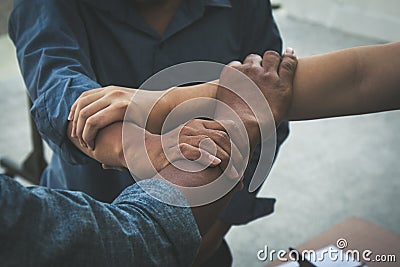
{"x":54,"y":59}
{"x":45,"y":227}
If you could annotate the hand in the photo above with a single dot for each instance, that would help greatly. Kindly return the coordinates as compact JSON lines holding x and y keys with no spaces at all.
{"x":274,"y":77}
{"x":97,"y":108}
{"x":201,"y":140}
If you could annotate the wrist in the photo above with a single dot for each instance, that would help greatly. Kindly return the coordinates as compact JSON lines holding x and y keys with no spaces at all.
{"x":155,"y":151}
{"x":170,"y":98}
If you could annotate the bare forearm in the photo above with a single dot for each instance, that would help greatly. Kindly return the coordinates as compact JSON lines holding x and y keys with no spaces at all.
{"x":108,"y":145}
{"x":351,"y":81}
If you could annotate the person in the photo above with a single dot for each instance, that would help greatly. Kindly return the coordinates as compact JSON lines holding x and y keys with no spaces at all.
{"x":42,"y":226}
{"x":363,"y":62}
{"x":347,"y":82}
{"x":66,"y":48}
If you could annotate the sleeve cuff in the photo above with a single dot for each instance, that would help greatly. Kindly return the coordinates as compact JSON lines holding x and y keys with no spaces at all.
{"x":177,"y":222}
{"x":51,"y":117}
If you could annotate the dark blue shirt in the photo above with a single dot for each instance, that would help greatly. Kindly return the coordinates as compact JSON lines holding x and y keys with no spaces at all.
{"x":46,"y":227}
{"x":66,"y":47}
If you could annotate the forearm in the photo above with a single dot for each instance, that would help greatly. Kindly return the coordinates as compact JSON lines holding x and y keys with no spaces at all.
{"x":186,"y":103}
{"x":108,"y":145}
{"x":351,"y":81}
{"x":243,"y":112}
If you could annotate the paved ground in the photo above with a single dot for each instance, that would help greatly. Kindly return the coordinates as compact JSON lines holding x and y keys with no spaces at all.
{"x":327,"y":170}
{"x":5,"y":8}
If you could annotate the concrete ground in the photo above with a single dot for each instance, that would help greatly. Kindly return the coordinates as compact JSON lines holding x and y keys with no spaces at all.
{"x":327,"y":171}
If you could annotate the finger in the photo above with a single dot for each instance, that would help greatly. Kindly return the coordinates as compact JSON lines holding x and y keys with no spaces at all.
{"x":72,"y":112}
{"x":202,"y":142}
{"x":290,"y":51}
{"x":84,"y":94}
{"x":237,"y":134}
{"x":107,"y":167}
{"x":84,"y":100}
{"x":213,"y":125}
{"x":287,"y":68}
{"x":234,"y":64}
{"x":221,"y":133}
{"x":86,"y":113}
{"x":194,"y":153}
{"x":225,"y":163}
{"x":253,"y":59}
{"x":189,"y":152}
{"x":98,"y":121}
{"x":271,"y":61}
{"x":220,"y":138}
{"x":217,"y":138}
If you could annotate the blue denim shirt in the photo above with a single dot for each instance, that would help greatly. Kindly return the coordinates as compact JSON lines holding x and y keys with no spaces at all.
{"x":45,"y":227}
{"x":66,"y":47}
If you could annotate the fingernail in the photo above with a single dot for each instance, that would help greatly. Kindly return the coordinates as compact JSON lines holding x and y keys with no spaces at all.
{"x":70,"y":116}
{"x":214,"y":159}
{"x":289,"y":51}
{"x":73,"y":132}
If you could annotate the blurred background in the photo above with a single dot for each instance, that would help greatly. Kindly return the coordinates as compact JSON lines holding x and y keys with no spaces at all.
{"x":327,"y":170}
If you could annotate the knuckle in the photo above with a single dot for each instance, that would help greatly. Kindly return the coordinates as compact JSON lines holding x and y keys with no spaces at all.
{"x":289,"y":65}
{"x":121,"y":105}
{"x":183,"y":147}
{"x":271,"y":53}
{"x":116,"y":93}
{"x":92,"y":122}
{"x":110,"y":88}
{"x":184,"y":130}
{"x":269,"y":76}
{"x":86,"y":93}
{"x":252,"y":56}
{"x":220,"y":137}
{"x":83,"y":114}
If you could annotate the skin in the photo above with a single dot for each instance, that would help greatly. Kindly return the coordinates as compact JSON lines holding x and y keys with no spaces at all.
{"x":275,"y":80}
{"x":348,"y":84}
{"x":352,"y":81}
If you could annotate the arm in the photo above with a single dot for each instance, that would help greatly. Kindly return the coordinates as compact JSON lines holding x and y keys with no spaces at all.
{"x":132,"y":228}
{"x":347,"y":82}
{"x":53,"y":55}
{"x":144,"y":154}
{"x":137,"y":104}
{"x":95,"y":109}
{"x":66,"y":228}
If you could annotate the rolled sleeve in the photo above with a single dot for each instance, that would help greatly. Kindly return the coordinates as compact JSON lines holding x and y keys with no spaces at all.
{"x":54,"y":59}
{"x":65,"y":228}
